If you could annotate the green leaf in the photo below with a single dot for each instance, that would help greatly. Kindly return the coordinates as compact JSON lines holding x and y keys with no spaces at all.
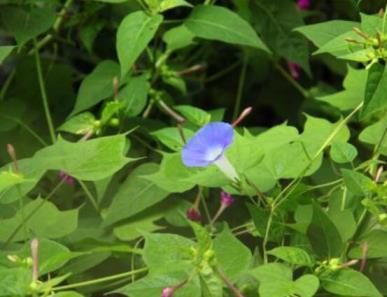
{"x":52,"y":255}
{"x":152,"y":286}
{"x":375,"y":92}
{"x":275,"y":21}
{"x":344,"y":222}
{"x":5,"y":50}
{"x":323,"y":235}
{"x":96,"y":86}
{"x":210,"y":282}
{"x":112,"y":1}
{"x":219,"y":23}
{"x":134,"y":195}
{"x":137,"y":226}
{"x":134,"y":95}
{"x":67,"y":293}
{"x":88,"y":160}
{"x":305,"y":286}
{"x":25,"y":25}
{"x":178,"y":37}
{"x":348,"y":282}
{"x":170,"y":4}
{"x":339,"y":46}
{"x":164,"y":253}
{"x":357,"y":183}
{"x":353,"y":93}
{"x":292,"y":255}
{"x":80,"y":124}
{"x":232,"y":256}
{"x":317,"y":131}
{"x":321,"y":33}
{"x":110,"y":110}
{"x":9,"y":179}
{"x":343,"y":152}
{"x":193,"y":114}
{"x":45,"y":221}
{"x":272,"y":273}
{"x":134,"y":33}
{"x":171,"y":137}
{"x":375,"y":134}
{"x":371,"y":24}
{"x":376,"y":241}
{"x":15,"y":282}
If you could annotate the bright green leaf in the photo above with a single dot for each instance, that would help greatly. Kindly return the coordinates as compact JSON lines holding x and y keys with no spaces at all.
{"x":96,"y":86}
{"x":134,"y":33}
{"x":219,"y":23}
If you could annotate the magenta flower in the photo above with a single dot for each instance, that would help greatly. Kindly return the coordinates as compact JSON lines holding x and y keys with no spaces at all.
{"x":193,"y":214}
{"x":294,"y":70}
{"x":167,"y":292}
{"x":66,"y":178}
{"x":208,"y":146}
{"x":303,"y":4}
{"x":226,"y":199}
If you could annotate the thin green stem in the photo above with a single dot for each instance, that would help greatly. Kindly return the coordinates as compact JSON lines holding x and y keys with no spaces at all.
{"x":241,"y":85}
{"x":281,"y":197}
{"x":223,"y":72}
{"x":26,"y":127}
{"x":295,"y":83}
{"x":32,"y":213}
{"x":89,"y":195}
{"x":7,"y":83}
{"x":344,"y":199}
{"x":266,"y":237}
{"x":101,"y":280}
{"x":44,"y":96}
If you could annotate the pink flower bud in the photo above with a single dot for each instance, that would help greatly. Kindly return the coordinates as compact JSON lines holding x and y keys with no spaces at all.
{"x":193,"y":214}
{"x":66,"y":178}
{"x":167,"y":292}
{"x":294,"y":70}
{"x":303,"y":4}
{"x":226,"y":199}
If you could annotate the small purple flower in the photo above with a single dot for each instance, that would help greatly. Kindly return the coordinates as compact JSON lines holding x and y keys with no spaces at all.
{"x":66,"y":178}
{"x":167,"y":292}
{"x":193,"y":214}
{"x":208,"y":146}
{"x":294,"y":70}
{"x":303,"y":4}
{"x":226,"y":199}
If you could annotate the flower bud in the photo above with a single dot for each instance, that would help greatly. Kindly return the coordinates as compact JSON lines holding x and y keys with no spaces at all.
{"x":193,"y":214}
{"x":226,"y":199}
{"x":167,"y":292}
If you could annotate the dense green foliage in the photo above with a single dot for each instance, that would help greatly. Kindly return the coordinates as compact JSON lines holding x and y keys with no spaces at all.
{"x":97,"y":101}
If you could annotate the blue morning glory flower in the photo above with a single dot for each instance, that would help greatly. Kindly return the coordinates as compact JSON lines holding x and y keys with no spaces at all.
{"x":208,"y":146}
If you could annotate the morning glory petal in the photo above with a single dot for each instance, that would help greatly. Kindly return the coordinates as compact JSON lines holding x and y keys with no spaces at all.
{"x":208,"y":144}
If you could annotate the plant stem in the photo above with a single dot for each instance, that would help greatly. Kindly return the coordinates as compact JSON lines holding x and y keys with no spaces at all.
{"x":7,"y":83}
{"x":26,"y":127}
{"x":100,"y":280}
{"x":89,"y":195}
{"x":281,"y":197}
{"x":295,"y":83}
{"x":222,"y":72}
{"x":44,"y":96}
{"x":241,"y":85}
{"x":56,"y":27}
{"x":266,"y":237}
{"x":31,"y":214}
{"x":229,"y":284}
